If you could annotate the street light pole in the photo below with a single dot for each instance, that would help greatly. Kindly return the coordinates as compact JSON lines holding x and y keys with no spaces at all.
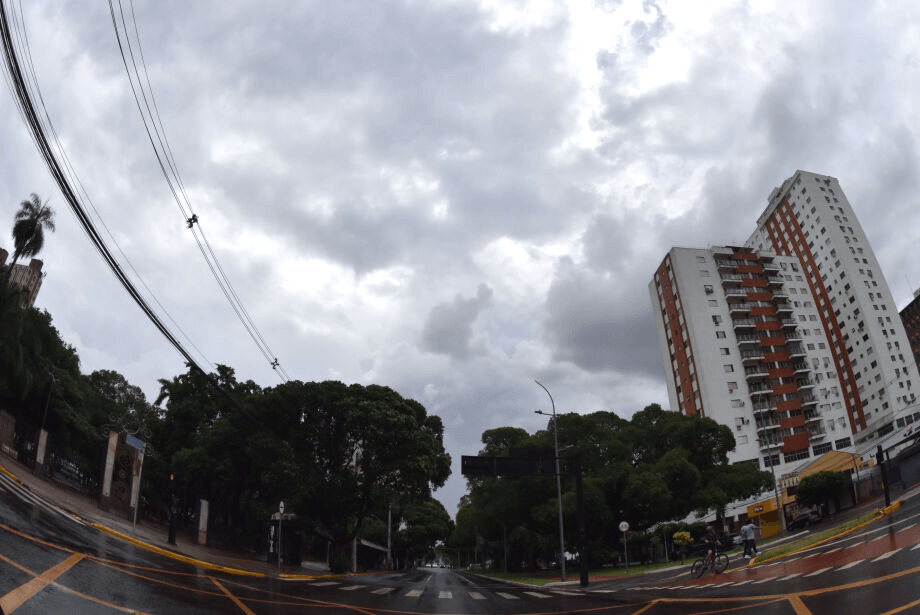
{"x":558,"y":478}
{"x":779,"y":508}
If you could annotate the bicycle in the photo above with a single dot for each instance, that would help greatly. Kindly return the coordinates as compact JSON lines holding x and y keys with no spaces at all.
{"x":718,"y":563}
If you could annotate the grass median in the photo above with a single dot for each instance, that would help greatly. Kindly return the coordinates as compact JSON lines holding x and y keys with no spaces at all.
{"x":813,"y":539}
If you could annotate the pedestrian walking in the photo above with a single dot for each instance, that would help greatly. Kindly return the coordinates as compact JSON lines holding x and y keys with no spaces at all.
{"x":748,"y":536}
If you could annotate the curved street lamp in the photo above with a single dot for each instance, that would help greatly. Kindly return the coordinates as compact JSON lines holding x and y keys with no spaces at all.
{"x":558,"y":477}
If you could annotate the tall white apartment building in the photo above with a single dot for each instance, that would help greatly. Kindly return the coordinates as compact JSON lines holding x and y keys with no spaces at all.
{"x":793,"y":340}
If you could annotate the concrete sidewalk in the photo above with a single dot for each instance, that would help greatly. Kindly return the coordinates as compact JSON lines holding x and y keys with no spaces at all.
{"x":153,"y":537}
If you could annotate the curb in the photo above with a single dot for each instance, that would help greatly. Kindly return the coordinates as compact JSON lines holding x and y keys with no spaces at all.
{"x":171,"y":554}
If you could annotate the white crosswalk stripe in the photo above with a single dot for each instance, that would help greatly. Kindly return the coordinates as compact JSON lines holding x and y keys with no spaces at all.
{"x":477,"y":596}
{"x":507,"y":596}
{"x":383,"y":590}
{"x":851,"y":564}
{"x":324,"y":583}
{"x":817,"y":572}
{"x":758,"y":582}
{"x":915,"y":547}
{"x":351,"y":588}
{"x":885,"y":555}
{"x":413,"y":593}
{"x":445,"y":595}
{"x":790,"y":576}
{"x":537,"y":595}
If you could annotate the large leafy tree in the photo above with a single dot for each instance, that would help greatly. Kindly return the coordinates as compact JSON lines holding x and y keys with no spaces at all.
{"x":350,"y":447}
{"x":819,"y":488}
{"x":655,"y":467}
{"x":29,"y":227}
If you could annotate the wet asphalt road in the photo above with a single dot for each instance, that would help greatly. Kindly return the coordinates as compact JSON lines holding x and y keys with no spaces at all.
{"x":52,"y":563}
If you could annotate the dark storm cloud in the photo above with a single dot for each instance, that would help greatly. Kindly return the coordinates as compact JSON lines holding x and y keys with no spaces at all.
{"x":449,"y":327}
{"x":599,"y":321}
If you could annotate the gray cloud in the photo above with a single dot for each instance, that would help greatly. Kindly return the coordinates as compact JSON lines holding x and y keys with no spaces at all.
{"x":449,"y":328}
{"x":355,"y":164}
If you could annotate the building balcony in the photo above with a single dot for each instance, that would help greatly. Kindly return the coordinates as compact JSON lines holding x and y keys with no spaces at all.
{"x":749,"y":357}
{"x":795,"y":350}
{"x":800,"y":367}
{"x":731,"y":279}
{"x":743,"y":323}
{"x":809,"y":399}
{"x":748,"y":338}
{"x":771,"y":267}
{"x":804,"y":383}
{"x":783,"y":307}
{"x":789,"y":322}
{"x":773,"y":280}
{"x":755,"y":372}
{"x":738,"y":308}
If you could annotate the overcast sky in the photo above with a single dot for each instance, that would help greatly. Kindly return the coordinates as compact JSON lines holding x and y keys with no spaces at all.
{"x":451,"y":198}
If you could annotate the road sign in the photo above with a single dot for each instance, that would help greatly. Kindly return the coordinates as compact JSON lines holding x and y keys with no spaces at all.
{"x":471,"y":465}
{"x":281,"y":507}
{"x":134,"y":441}
{"x":624,"y":526}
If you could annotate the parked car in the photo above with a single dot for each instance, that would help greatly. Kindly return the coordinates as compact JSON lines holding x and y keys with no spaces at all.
{"x":804,"y":519}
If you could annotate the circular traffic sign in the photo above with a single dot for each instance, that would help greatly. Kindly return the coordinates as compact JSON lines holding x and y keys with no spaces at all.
{"x":624,"y":525}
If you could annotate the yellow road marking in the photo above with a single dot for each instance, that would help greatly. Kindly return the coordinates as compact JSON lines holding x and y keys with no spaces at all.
{"x":15,"y":599}
{"x":799,"y":606}
{"x":236,"y":600}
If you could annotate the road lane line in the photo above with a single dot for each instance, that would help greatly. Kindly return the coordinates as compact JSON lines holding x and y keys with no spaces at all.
{"x":446,"y":595}
{"x":507,"y":596}
{"x":413,"y":593}
{"x":383,"y":590}
{"x":851,"y":564}
{"x":15,"y":599}
{"x":790,"y":576}
{"x":538,"y":595}
{"x":763,"y":580}
{"x":351,"y":588}
{"x":476,"y":596}
{"x":235,"y":600}
{"x":915,"y":547}
{"x":817,"y":572}
{"x":324,"y":583}
{"x":885,"y":555}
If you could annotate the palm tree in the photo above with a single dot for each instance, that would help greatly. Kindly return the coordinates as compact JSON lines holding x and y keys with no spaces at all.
{"x":32,"y":219}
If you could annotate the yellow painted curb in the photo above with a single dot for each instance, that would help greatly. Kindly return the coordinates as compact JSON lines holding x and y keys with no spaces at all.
{"x":171,"y":554}
{"x":8,"y":473}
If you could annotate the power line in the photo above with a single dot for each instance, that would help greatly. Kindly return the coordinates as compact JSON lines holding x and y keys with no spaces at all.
{"x":59,"y":172}
{"x":156,"y":134}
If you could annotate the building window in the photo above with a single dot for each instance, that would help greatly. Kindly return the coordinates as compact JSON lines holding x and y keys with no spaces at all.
{"x":720,"y":334}
{"x":820,"y":449}
{"x":843,"y":443}
{"x":728,"y":368}
{"x":724,"y":351}
{"x":796,"y":455}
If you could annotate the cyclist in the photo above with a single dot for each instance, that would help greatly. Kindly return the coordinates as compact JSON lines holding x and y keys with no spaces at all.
{"x":711,"y":541}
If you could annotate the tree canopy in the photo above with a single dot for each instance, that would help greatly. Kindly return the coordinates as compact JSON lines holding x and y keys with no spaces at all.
{"x":656,"y":467}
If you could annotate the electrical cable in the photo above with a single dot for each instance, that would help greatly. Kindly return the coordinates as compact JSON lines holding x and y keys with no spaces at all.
{"x":156,"y":135}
